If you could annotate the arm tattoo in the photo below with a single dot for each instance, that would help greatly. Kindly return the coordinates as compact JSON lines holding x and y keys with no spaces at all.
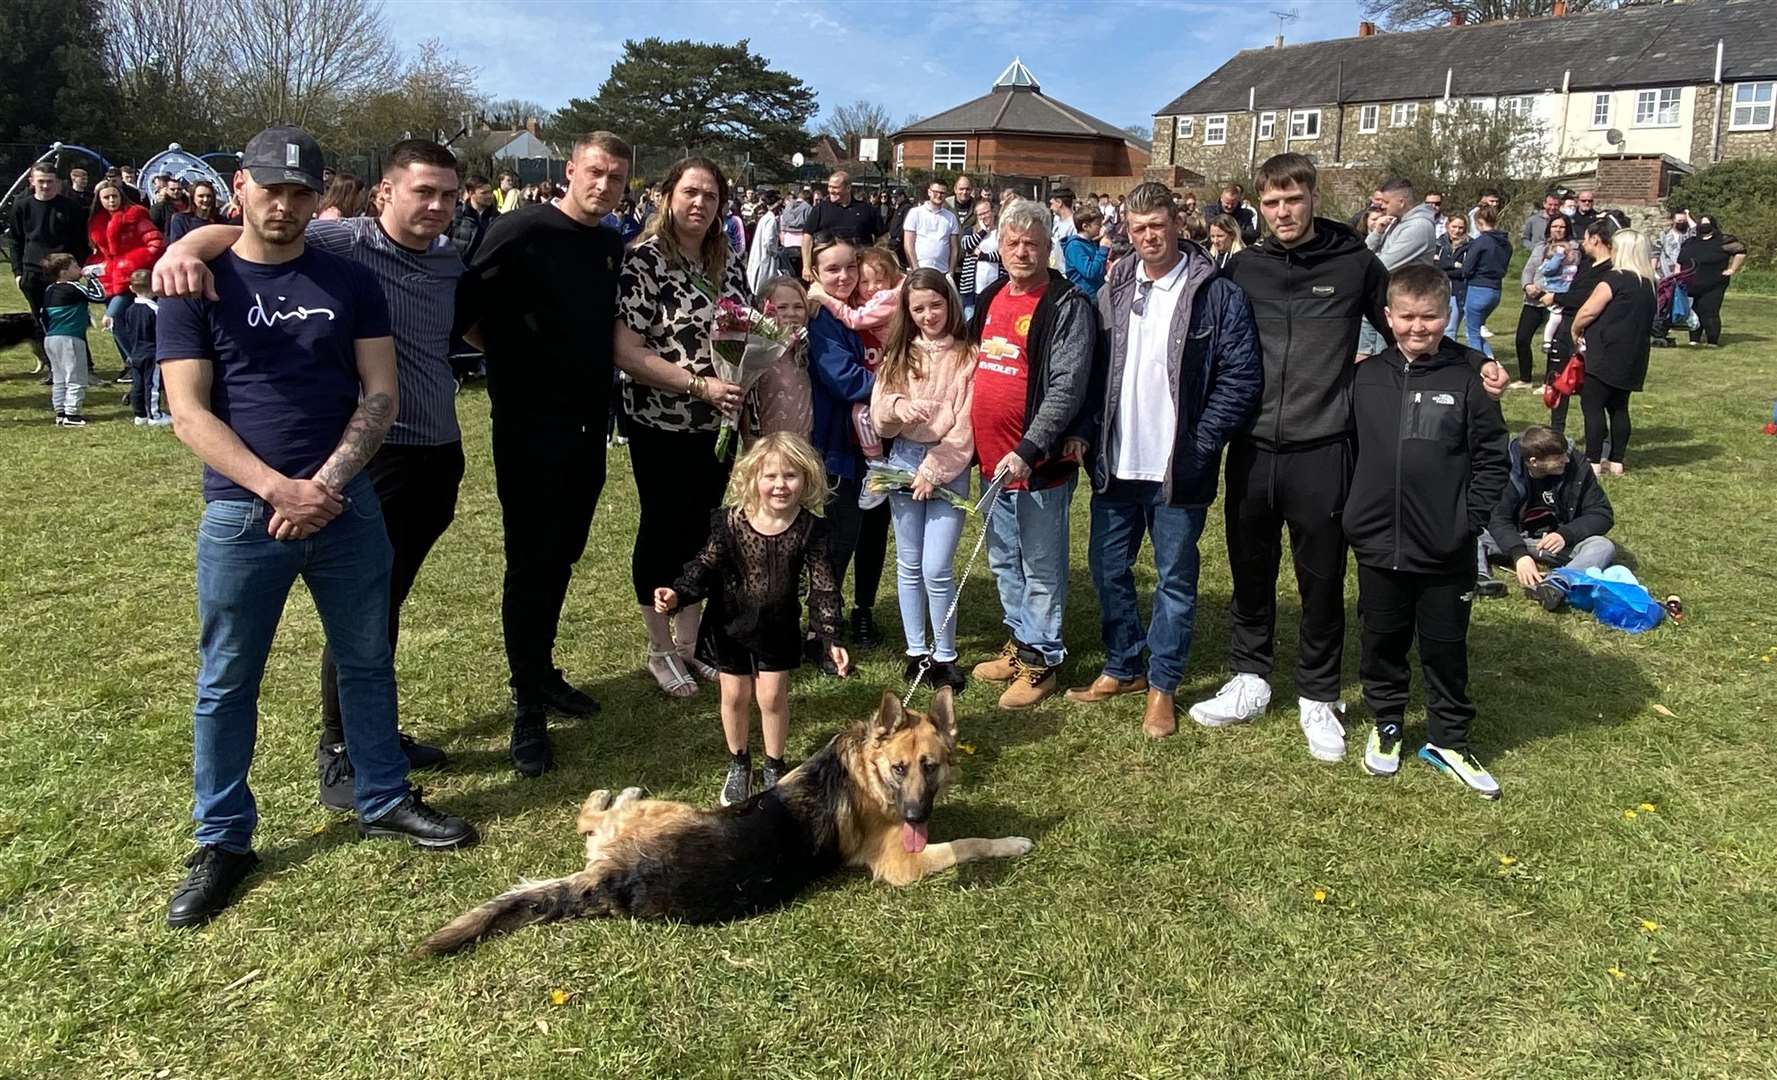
{"x":363,"y":436}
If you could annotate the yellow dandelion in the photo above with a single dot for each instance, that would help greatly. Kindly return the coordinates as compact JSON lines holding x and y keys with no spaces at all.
{"x":1616,"y":973}
{"x":1628,"y":815}
{"x":1648,"y":808}
{"x":1650,"y":926}
{"x":558,"y":997}
{"x":967,"y":748}
{"x":1508,"y":860}
{"x":1320,"y":896}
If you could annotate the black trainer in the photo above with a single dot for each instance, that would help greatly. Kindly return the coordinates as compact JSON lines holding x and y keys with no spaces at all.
{"x":1550,"y":595}
{"x":771,"y":772}
{"x":911,"y":670}
{"x":738,"y":787}
{"x":412,"y":820}
{"x":334,"y":769}
{"x":947,"y":673}
{"x":531,"y":752}
{"x":557,"y":693}
{"x":419,"y":755}
{"x":1490,"y":588}
{"x":864,"y":633}
{"x":210,"y":885}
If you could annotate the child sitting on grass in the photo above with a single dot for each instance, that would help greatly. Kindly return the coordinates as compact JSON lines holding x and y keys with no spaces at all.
{"x":65,"y":319}
{"x":134,"y":328}
{"x":1553,"y":512}
{"x":763,"y":541}
{"x":1431,"y":461}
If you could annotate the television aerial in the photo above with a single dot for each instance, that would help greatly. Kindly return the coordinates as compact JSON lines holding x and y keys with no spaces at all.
{"x":1288,"y":16}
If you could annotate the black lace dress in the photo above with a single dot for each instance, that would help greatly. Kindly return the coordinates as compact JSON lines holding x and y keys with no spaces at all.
{"x":755,"y":584}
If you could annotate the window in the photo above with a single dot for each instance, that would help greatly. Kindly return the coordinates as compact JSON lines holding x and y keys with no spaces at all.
{"x":1305,"y":124}
{"x":1656,"y":108}
{"x":1267,"y":125}
{"x":900,"y":154}
{"x":1403,"y":114}
{"x":1521,"y":105}
{"x":1752,"y":106}
{"x":1600,"y":110}
{"x":1215,"y":130}
{"x":949,"y":153}
{"x":1187,"y":127}
{"x":1368,"y":119}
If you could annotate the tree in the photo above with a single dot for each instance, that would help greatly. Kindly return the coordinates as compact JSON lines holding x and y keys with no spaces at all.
{"x":163,"y":60}
{"x":859,"y":120}
{"x":299,"y":62}
{"x":54,"y":82}
{"x":688,"y":97}
{"x":1144,"y":132}
{"x":1414,"y":14}
{"x":433,"y":98}
{"x":510,"y":114}
{"x":1467,"y":148}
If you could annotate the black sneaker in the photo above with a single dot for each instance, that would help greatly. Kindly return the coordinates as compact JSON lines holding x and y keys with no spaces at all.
{"x":335,"y":771}
{"x":419,"y":755}
{"x":71,"y":420}
{"x":531,"y":753}
{"x":1490,"y":588}
{"x":557,"y":693}
{"x":947,"y":673}
{"x":911,"y":670}
{"x":771,"y":772}
{"x":412,"y":820}
{"x":210,"y":885}
{"x":738,"y":788}
{"x":864,"y":633}
{"x":1550,"y":595}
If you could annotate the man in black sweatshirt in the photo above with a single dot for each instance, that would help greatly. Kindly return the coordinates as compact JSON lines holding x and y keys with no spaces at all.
{"x":47,"y":223}
{"x":1311,"y":282}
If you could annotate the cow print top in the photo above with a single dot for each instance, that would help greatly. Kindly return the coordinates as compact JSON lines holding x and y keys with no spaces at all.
{"x":659,"y":299}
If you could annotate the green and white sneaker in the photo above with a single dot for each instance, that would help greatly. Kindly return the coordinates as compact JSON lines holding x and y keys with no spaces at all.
{"x":1464,"y":767}
{"x":1382,"y":753}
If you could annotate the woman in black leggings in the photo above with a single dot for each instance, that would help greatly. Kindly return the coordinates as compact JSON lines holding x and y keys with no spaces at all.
{"x":1595,"y":266}
{"x":1616,"y":323}
{"x":1712,"y":259}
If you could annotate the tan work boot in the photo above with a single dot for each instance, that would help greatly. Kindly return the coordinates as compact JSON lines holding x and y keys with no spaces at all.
{"x":1161,"y":718}
{"x":1002,"y":667}
{"x":1030,"y":685}
{"x":1104,"y":688}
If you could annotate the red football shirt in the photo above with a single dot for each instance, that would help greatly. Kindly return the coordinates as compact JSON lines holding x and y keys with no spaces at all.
{"x":1002,"y":376}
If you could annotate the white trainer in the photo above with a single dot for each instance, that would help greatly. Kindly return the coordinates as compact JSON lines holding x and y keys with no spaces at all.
{"x":1324,"y":729}
{"x":1240,"y":699}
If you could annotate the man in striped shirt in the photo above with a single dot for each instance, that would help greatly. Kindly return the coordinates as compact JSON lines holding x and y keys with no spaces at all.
{"x":420,"y":466}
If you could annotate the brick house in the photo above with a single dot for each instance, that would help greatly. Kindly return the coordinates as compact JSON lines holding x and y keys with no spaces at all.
{"x":1017,"y":130}
{"x":1692,"y":81}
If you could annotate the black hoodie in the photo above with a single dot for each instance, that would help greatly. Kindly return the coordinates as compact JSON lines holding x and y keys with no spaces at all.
{"x":1431,"y":461}
{"x":1308,"y":302}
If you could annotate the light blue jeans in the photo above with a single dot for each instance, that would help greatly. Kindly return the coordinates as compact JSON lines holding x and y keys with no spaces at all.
{"x":926,"y":534}
{"x":1479,"y":304}
{"x":1027,"y":543}
{"x":243,"y":579}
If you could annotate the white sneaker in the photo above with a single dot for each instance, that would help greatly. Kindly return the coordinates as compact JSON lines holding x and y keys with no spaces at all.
{"x":1322,"y":726}
{"x":141,"y":421}
{"x":1240,"y":699}
{"x":1485,"y":332}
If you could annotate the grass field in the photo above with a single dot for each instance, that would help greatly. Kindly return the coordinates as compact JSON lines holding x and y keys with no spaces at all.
{"x":1215,"y":905}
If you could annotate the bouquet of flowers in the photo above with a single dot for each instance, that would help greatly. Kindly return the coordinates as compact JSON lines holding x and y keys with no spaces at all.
{"x":883,"y":479}
{"x":745,"y":344}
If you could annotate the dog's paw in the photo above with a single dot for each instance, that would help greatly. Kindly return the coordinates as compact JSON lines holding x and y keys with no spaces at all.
{"x":1014,"y":846}
{"x":626,"y":796}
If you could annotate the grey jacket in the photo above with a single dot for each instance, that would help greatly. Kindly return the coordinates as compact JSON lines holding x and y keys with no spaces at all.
{"x":1412,"y":239}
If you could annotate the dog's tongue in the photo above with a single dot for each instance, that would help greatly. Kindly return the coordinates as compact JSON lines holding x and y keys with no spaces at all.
{"x":913,"y":837}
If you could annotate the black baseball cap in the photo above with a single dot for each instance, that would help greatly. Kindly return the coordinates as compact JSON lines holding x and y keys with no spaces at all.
{"x":284,"y":155}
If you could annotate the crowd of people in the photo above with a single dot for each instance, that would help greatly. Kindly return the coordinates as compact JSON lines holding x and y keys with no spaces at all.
{"x":1143,"y":345}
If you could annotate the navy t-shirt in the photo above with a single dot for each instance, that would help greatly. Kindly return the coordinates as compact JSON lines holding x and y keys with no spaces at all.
{"x":281,"y":345}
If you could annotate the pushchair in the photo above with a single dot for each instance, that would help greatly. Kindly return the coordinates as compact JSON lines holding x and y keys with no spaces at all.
{"x":1672,"y":308}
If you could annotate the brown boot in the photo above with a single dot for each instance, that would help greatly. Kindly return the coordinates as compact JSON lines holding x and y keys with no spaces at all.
{"x":1161,"y":719}
{"x":1030,"y":685}
{"x":1104,"y":688}
{"x":1002,"y":667}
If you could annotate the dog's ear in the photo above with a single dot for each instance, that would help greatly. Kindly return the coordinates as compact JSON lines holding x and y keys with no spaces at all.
{"x":943,"y":714}
{"x":889,"y":716}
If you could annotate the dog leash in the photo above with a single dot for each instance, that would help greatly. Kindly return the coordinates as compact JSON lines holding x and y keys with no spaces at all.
{"x":985,"y":508}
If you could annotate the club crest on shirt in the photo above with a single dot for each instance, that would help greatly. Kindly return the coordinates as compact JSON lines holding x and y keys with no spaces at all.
{"x":257,"y":315}
{"x":1022,"y":325}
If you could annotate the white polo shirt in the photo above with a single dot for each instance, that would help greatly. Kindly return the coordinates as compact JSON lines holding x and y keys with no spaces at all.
{"x":1147,"y":415}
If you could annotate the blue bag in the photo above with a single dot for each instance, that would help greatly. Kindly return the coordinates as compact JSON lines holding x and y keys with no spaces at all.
{"x":1617,"y":600}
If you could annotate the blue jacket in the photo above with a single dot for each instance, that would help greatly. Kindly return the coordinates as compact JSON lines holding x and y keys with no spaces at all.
{"x":839,"y":380}
{"x":1085,"y":262}
{"x":1485,"y":260}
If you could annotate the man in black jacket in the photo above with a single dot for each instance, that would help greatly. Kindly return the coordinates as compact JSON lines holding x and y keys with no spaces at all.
{"x":1311,"y":283}
{"x":1431,"y":464}
{"x":47,"y":223}
{"x":474,"y":214}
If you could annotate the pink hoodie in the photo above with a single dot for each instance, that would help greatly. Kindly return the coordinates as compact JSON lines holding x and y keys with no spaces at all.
{"x":947,"y":386}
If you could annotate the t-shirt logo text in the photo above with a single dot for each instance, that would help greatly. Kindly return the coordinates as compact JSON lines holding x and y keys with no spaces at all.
{"x":258,"y":316}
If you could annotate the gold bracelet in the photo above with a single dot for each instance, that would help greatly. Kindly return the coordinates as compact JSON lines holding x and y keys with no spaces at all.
{"x":696,"y":386}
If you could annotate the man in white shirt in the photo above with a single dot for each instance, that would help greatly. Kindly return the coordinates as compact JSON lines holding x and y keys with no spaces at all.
{"x":931,"y":234}
{"x":1061,"y":206}
{"x":1184,"y":374}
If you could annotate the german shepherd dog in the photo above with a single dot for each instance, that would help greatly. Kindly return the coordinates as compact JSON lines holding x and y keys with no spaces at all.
{"x":863,"y":800}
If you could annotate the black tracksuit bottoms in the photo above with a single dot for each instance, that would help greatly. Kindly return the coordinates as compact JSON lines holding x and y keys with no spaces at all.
{"x":548,"y":472}
{"x":1394,"y":605}
{"x":417,"y":486}
{"x":1303,"y":490}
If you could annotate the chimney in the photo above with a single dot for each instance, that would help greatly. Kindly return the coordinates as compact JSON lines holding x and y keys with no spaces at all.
{"x":1278,"y":44}
{"x":530,"y":125}
{"x":1457,"y":18}
{"x":1559,"y":9}
{"x":1366,"y":29}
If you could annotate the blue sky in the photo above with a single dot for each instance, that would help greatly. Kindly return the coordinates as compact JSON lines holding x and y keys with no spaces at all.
{"x":1117,"y":60}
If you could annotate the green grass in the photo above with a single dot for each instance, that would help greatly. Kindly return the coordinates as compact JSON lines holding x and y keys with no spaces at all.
{"x":1164,"y":926}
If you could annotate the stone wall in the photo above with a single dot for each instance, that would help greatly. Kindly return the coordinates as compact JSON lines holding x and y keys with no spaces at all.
{"x":1734,"y":144}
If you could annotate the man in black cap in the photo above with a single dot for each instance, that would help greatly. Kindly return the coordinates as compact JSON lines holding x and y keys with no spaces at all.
{"x":283,"y":378}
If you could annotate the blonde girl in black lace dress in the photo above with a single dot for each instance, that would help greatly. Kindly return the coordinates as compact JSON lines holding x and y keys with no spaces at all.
{"x":767,"y":548}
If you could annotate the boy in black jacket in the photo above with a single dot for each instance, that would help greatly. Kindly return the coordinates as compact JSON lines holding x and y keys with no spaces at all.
{"x":1553,"y":512}
{"x":1431,"y":463}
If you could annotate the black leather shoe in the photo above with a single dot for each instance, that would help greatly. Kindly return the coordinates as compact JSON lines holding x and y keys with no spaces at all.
{"x":419,"y":755}
{"x":531,"y":753}
{"x":210,"y":885}
{"x":335,"y":771}
{"x":864,"y":633}
{"x":412,"y":820}
{"x":558,"y":694}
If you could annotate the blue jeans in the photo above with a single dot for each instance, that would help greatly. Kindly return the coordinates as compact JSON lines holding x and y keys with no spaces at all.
{"x":926,"y":533}
{"x":243,"y":578}
{"x":1479,"y":304}
{"x":1121,"y":515}
{"x":1027,"y":549}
